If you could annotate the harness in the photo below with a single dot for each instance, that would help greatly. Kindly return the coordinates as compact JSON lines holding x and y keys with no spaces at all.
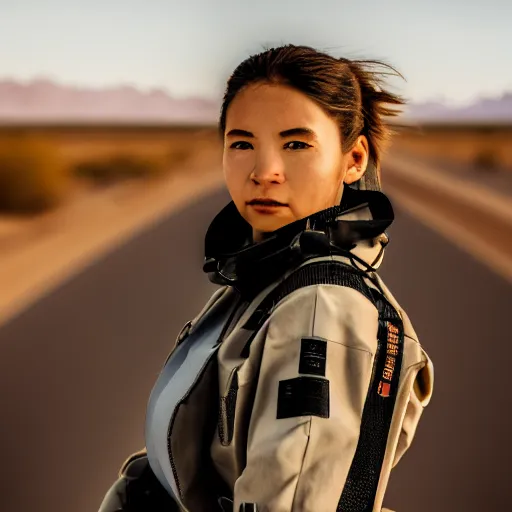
{"x":360,"y":488}
{"x":358,"y":494}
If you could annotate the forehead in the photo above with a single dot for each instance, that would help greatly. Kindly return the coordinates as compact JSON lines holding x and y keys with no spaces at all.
{"x":269,"y":105}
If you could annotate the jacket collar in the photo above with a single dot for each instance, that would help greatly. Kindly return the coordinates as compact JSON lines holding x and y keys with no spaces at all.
{"x":355,"y":228}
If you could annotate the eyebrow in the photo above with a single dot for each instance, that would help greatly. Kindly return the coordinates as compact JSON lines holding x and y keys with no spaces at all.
{"x":286,"y":133}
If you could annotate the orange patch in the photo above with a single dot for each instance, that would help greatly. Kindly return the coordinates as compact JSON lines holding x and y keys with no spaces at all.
{"x":389,"y":365}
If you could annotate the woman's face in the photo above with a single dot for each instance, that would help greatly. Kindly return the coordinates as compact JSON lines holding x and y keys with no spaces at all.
{"x":280,"y":145}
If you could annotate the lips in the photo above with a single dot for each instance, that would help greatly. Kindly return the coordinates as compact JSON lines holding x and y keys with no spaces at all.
{"x":265,"y":202}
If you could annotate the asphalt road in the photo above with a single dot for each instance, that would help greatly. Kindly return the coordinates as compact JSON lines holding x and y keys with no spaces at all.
{"x":76,"y":369}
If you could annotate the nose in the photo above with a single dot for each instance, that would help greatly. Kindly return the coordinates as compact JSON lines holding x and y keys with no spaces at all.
{"x":268,"y":168}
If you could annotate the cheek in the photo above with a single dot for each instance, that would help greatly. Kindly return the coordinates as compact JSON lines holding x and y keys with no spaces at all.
{"x":315,"y":184}
{"x":238,"y":163}
{"x":235,"y":178}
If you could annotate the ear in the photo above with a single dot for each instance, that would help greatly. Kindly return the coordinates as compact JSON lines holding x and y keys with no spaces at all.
{"x":357,"y":160}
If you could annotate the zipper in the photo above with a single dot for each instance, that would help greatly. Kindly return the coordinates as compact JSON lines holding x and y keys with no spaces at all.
{"x":227,"y":410}
{"x":169,"y":451}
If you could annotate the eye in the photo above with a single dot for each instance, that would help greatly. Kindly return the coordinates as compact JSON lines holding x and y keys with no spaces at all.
{"x":302,"y":145}
{"x":241,"y":144}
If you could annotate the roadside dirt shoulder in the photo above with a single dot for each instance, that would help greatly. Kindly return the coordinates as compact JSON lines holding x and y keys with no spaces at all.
{"x":39,"y":255}
{"x":471,"y":216}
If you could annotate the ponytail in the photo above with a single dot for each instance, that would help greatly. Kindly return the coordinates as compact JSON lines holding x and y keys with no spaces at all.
{"x":374,"y":107}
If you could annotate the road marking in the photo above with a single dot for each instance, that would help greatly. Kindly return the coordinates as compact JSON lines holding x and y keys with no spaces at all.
{"x":429,"y":176}
{"x":456,"y":233}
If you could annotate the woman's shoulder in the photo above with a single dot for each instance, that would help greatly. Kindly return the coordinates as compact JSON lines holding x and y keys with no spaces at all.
{"x":324,"y":281}
{"x":329,"y":309}
{"x":211,"y":301}
{"x":333,"y":288}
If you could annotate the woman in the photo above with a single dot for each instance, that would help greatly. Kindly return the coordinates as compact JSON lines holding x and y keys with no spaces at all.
{"x":301,"y":382}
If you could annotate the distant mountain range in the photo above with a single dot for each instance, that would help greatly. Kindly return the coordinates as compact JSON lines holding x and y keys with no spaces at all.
{"x":486,"y":110}
{"x":44,"y":101}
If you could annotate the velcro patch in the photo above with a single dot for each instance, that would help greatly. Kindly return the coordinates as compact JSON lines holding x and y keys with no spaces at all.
{"x":313,"y":354}
{"x":303,"y":396}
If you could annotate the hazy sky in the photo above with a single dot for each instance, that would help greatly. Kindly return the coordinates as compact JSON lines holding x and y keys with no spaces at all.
{"x":453,"y":49}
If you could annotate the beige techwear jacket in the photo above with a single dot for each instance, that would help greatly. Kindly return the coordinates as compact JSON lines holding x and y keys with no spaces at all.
{"x":293,"y":461}
{"x":307,"y":410}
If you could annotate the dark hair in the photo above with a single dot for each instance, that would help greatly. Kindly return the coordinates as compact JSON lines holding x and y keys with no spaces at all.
{"x":348,"y":90}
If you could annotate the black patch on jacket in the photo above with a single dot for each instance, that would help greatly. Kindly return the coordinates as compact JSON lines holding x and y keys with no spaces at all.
{"x":303,"y":396}
{"x":313,"y":355}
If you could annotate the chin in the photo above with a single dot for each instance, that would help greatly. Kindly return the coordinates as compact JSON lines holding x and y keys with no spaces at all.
{"x":269,"y":224}
{"x":266,"y":222}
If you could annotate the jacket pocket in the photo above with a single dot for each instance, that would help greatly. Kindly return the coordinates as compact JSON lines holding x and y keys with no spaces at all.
{"x":227,"y":409}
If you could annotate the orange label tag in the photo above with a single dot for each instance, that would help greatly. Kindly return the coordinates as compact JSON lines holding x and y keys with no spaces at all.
{"x":384,"y":388}
{"x":388,"y":371}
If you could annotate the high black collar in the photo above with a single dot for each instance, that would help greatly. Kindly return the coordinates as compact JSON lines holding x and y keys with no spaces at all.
{"x":231,"y":257}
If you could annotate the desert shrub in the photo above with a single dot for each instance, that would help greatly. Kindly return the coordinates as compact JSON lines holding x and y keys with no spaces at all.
{"x":108,"y":170}
{"x":178,"y":155}
{"x":32,"y":175}
{"x":486,"y":160}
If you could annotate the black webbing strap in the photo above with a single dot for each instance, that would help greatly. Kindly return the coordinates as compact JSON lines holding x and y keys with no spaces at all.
{"x":358,"y":494}
{"x":322,"y":272}
{"x":360,"y":488}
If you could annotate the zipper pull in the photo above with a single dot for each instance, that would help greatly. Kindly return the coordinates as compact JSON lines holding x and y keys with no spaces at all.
{"x":184,"y":332}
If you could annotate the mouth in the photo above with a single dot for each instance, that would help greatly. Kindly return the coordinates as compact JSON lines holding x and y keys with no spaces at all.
{"x":265,"y":202}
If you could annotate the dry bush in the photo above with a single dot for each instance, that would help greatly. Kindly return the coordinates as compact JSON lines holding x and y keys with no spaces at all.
{"x":105,"y":171}
{"x":117,"y":167}
{"x":178,"y":155}
{"x":32,"y":175}
{"x":486,"y":160}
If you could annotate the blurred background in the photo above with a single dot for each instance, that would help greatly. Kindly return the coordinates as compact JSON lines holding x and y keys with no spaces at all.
{"x":110,"y":173}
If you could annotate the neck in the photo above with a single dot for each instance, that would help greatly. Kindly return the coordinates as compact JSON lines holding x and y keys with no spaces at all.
{"x":259,"y":236}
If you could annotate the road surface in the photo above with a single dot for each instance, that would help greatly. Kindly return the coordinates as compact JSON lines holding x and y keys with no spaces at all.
{"x":76,"y":369}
